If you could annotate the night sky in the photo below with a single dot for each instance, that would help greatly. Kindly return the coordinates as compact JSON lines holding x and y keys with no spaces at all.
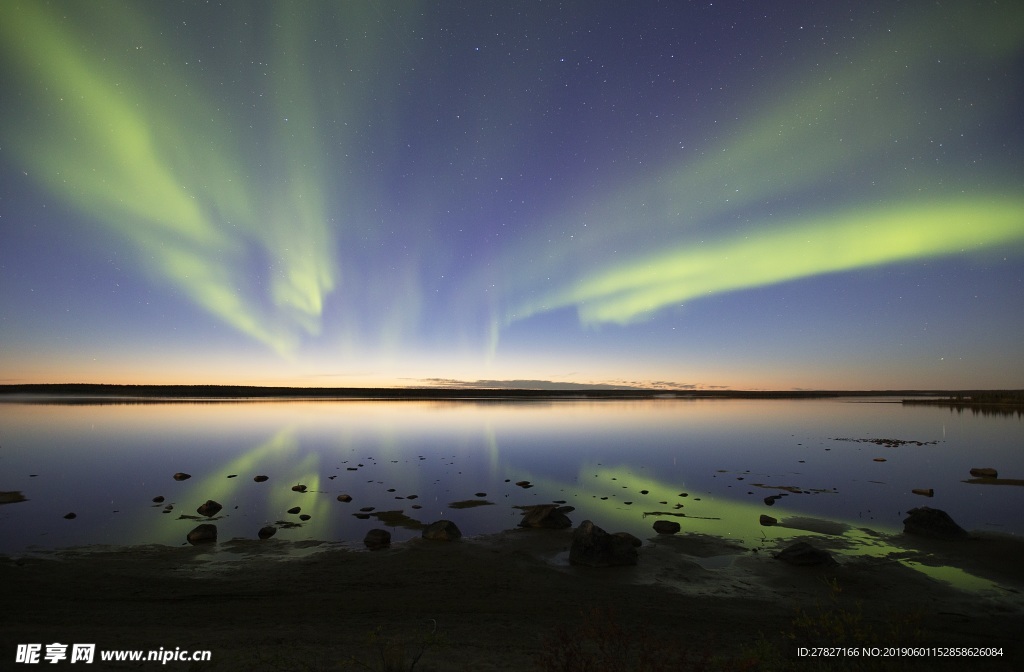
{"x":677,"y":194}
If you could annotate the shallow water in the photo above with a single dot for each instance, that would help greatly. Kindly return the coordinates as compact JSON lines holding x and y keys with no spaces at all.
{"x":707,"y":464}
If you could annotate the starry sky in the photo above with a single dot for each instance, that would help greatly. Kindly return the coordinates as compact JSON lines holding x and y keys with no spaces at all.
{"x":674,"y":194}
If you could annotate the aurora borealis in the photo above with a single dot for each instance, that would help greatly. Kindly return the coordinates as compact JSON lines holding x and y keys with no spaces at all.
{"x":670,"y":194}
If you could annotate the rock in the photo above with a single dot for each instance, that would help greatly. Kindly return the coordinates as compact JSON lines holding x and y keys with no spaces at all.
{"x":635,"y":542}
{"x":158,"y":499}
{"x":805,"y":555}
{"x":344,"y":498}
{"x":545,"y":516}
{"x":260,"y":478}
{"x":210,"y":508}
{"x":203,"y":534}
{"x":926,"y":492}
{"x":267,"y":532}
{"x":666,"y":526}
{"x":182,"y":476}
{"x":442,"y":530}
{"x":11,"y":497}
{"x":377,"y":538}
{"x":593,"y":547}
{"x":768,"y":521}
{"x":984,"y":472}
{"x":71,"y":516}
{"x":524,"y":484}
{"x":295,"y":509}
{"x":935,"y":523}
{"x":299,"y":488}
{"x":305,"y":517}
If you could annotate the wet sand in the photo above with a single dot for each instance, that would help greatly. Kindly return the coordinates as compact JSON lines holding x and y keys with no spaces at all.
{"x":508,"y":601}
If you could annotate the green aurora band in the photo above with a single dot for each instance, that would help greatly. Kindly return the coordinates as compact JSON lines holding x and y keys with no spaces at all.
{"x":874,"y":124}
{"x":162,"y":167}
{"x":836,"y":242}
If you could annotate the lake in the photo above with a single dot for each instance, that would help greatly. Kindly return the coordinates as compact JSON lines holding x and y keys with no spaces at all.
{"x":839,"y":465}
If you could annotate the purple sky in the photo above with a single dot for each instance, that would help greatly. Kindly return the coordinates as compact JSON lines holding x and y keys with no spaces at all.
{"x":672,"y":194}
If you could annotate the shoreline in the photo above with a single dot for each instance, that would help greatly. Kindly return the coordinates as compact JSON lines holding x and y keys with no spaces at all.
{"x":502,"y":601}
{"x":100,"y":393}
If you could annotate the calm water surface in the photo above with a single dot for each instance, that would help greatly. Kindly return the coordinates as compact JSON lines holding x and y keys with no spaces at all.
{"x":707,"y":464}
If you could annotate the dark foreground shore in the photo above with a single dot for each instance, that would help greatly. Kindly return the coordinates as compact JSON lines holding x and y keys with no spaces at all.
{"x":512,"y":602}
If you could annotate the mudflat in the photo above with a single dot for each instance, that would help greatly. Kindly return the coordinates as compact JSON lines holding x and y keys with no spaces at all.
{"x":511,"y":601}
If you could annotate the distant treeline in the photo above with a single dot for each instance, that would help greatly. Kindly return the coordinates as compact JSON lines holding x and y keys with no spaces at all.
{"x":978,"y":397}
{"x":261,"y":392}
{"x":984,"y":402}
{"x":86,"y":390}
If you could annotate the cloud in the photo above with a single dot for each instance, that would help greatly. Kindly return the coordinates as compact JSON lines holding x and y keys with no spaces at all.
{"x":550,"y":385}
